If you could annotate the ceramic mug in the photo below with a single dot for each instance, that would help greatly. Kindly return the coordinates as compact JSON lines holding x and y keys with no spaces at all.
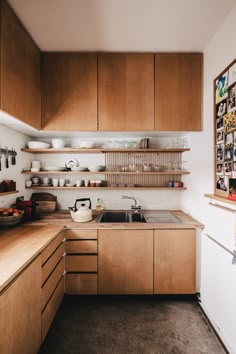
{"x":45,"y":180}
{"x":55,"y":182}
{"x":35,"y":180}
{"x":61,"y":182}
{"x":79,"y":183}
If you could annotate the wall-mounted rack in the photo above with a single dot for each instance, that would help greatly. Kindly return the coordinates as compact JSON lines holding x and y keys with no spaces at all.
{"x":11,"y":152}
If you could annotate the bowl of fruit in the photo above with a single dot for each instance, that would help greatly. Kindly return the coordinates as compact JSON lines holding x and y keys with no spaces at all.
{"x":10,"y":216}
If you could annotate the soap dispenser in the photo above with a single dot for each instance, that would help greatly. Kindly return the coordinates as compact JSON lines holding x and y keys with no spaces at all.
{"x":99,"y":205}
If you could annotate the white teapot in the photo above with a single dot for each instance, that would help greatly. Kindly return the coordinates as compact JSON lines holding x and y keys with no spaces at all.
{"x":83,"y":213}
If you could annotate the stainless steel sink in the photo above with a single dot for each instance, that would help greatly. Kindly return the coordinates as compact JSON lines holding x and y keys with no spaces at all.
{"x":114,"y":216}
{"x":120,"y":216}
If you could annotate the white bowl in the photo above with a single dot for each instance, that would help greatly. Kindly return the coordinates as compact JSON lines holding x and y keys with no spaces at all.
{"x":85,"y":144}
{"x":96,"y":168}
{"x":38,"y":145}
{"x":58,"y":143}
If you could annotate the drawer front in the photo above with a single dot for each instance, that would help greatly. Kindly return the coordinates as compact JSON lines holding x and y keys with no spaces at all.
{"x":51,"y":247}
{"x":81,"y":263}
{"x":51,"y":283}
{"x":81,"y":284}
{"x":81,"y":234}
{"x":52,"y":262}
{"x":51,"y":308}
{"x":84,"y":246}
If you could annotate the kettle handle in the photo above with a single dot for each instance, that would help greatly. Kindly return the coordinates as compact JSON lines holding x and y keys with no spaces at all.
{"x":82,"y":200}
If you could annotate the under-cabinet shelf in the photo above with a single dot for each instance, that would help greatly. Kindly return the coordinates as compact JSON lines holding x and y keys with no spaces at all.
{"x":107,"y":188}
{"x":6,"y":193}
{"x":105,"y":173}
{"x":96,"y":151}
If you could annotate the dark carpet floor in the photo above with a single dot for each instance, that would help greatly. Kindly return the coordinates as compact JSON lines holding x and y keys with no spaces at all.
{"x":120,"y":325}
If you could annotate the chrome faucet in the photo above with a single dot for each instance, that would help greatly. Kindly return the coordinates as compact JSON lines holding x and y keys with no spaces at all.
{"x":134,"y":207}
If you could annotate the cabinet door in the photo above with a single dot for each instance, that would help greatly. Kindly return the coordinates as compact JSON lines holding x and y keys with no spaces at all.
{"x":175,"y":261}
{"x":20,"y":313}
{"x":178,"y":91}
{"x":69,"y":91}
{"x":126,"y":92}
{"x":32,"y":83}
{"x":125,"y":262}
{"x":12,"y":63}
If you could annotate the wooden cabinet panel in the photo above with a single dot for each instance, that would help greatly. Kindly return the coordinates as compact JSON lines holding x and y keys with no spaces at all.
{"x":175,"y":261}
{"x":32,"y":83}
{"x":81,"y":284}
{"x":52,"y":282}
{"x":125,"y":262}
{"x":178,"y":91}
{"x":84,"y":246}
{"x":75,"y":234}
{"x":48,"y":251}
{"x":20,"y":70}
{"x":69,"y":91}
{"x":81,"y":263}
{"x":51,"y":308}
{"x":52,"y":262}
{"x":20,"y":313}
{"x":126,"y":92}
{"x":12,"y":63}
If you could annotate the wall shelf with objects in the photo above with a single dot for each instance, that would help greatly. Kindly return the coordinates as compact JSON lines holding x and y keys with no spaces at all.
{"x":123,"y":169}
{"x":97,"y":151}
{"x":105,"y":188}
{"x":6,"y":193}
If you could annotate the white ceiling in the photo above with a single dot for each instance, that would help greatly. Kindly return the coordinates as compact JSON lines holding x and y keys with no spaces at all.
{"x":122,"y":25}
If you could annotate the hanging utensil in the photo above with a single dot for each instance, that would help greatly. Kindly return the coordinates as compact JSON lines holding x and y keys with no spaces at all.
{"x":12,"y":156}
{"x":7,"y":154}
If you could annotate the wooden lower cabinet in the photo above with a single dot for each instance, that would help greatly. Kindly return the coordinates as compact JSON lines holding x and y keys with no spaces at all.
{"x":125,"y":262}
{"x":52,"y":281}
{"x":82,"y":284}
{"x":20,"y":312}
{"x":175,"y":261}
{"x":81,"y":262}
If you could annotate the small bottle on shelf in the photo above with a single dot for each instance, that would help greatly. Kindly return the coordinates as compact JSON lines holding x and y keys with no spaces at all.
{"x":99,"y":205}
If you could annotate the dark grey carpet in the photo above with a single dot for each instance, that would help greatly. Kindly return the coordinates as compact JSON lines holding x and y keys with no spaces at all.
{"x":120,"y":325}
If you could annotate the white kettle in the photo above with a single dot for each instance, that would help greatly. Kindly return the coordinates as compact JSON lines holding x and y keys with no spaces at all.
{"x":83,"y":213}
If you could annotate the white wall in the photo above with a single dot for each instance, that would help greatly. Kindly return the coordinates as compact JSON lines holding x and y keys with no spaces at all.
{"x":13,"y":139}
{"x":218,"y":54}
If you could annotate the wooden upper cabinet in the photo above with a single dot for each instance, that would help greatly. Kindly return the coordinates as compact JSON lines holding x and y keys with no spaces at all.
{"x":178,"y":91}
{"x":20,"y":70}
{"x":69,"y":91}
{"x":12,"y":63}
{"x":32,"y":83}
{"x":126,"y":92}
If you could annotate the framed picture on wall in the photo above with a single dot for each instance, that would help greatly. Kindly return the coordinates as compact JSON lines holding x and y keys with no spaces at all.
{"x":225,"y":128}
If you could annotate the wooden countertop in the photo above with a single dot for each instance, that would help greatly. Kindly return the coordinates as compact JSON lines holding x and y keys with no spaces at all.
{"x":20,"y":245}
{"x":62,"y":217}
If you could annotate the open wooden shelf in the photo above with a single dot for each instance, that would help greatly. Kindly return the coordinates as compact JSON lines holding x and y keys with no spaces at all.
{"x":106,"y":188}
{"x":96,"y":151}
{"x":6,"y":193}
{"x":219,"y":198}
{"x":103,"y":173}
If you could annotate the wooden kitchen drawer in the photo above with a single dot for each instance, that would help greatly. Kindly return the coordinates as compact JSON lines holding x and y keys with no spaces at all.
{"x":84,"y":246}
{"x":52,"y":247}
{"x":81,"y":263}
{"x":51,"y":308}
{"x":81,"y":234}
{"x":52,"y":262}
{"x":51,"y":283}
{"x":81,"y":284}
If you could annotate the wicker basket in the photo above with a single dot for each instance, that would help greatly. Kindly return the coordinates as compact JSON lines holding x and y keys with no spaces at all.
{"x":11,"y":220}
